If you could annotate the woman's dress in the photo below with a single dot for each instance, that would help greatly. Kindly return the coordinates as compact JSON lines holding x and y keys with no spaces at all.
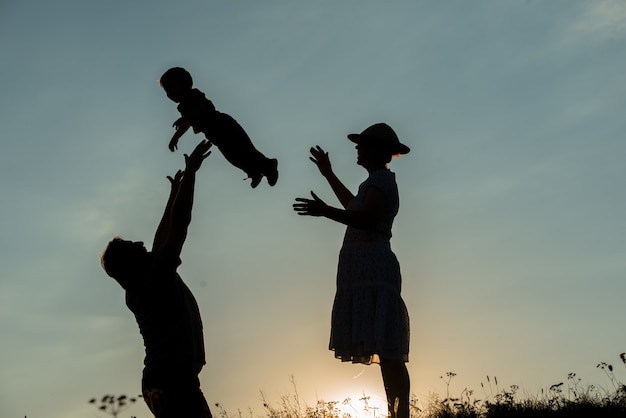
{"x":369,"y":317}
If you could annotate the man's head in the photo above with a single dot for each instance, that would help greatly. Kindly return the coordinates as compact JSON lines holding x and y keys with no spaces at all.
{"x":124,"y":260}
{"x":176,"y":81}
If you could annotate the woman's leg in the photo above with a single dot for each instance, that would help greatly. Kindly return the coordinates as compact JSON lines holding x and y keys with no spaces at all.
{"x":396,"y":381}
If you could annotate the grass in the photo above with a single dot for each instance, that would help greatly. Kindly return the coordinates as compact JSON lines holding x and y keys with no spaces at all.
{"x":562,"y":400}
{"x":568,"y":399}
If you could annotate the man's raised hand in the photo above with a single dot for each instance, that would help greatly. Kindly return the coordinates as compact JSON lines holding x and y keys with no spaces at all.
{"x":194,"y":160}
{"x":175,"y":181}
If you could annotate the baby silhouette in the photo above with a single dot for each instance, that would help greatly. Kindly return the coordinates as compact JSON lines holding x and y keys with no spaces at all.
{"x":221,"y":129}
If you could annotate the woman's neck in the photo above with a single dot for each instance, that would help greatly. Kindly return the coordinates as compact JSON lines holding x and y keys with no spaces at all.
{"x":373,"y":167}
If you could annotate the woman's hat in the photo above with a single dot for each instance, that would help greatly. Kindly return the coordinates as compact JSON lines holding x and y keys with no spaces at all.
{"x":381,"y":133}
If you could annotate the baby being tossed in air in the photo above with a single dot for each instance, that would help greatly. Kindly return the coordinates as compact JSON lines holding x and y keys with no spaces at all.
{"x":220,"y":128}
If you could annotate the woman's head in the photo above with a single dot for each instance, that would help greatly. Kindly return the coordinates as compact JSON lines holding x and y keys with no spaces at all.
{"x":372,"y":156}
{"x":124,"y":260}
{"x":377,"y":145}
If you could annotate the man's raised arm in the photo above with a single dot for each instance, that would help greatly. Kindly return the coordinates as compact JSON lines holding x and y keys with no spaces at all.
{"x":180,"y":214}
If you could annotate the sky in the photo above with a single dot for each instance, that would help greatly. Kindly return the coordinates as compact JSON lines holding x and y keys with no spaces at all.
{"x":511,"y":227}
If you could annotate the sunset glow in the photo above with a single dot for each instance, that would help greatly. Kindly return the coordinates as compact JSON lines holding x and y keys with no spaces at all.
{"x":510,"y":232}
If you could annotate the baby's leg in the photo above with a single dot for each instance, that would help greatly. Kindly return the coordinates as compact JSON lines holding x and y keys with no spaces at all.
{"x":236,"y":146}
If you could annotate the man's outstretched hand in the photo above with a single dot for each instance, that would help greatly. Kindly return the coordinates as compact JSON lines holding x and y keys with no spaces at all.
{"x":194,"y":160}
{"x":175,"y":181}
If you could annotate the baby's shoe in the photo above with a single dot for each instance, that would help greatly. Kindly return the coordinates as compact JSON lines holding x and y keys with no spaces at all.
{"x":271,"y":171}
{"x":256,"y":179}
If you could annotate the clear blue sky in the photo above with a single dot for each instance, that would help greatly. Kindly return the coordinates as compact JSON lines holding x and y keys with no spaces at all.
{"x":511,"y":226}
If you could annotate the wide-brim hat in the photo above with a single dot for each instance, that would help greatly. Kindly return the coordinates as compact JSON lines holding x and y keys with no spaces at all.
{"x":381,"y":133}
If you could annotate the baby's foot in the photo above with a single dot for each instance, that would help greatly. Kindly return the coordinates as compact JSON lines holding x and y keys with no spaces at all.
{"x":256,"y":179}
{"x":271,"y":171}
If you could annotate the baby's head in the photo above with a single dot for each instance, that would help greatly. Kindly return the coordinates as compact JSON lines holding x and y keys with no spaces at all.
{"x":176,"y":81}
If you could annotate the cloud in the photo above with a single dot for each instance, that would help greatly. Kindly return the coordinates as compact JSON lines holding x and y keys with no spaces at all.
{"x":601,"y":20}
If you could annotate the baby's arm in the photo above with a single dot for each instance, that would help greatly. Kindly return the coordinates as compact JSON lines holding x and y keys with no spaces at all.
{"x":181,"y":125}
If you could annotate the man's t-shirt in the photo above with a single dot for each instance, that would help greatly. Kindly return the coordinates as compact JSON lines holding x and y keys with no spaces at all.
{"x":169,"y":321}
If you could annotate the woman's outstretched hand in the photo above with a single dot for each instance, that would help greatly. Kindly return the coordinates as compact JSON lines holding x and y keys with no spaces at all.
{"x":321,"y":160}
{"x":310,"y":207}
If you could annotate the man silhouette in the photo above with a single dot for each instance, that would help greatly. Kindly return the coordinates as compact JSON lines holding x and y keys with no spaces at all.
{"x":165,"y":309}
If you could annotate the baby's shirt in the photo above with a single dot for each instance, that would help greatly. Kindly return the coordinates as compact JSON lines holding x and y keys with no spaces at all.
{"x":198,"y":110}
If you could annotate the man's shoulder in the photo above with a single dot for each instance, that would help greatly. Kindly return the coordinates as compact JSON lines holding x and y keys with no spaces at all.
{"x":164,"y":257}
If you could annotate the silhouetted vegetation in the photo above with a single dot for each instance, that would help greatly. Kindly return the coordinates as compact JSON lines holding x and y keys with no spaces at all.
{"x":568,"y":399}
{"x":113,"y":405}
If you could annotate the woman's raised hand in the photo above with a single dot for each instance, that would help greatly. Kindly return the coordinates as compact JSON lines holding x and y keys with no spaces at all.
{"x":321,"y":160}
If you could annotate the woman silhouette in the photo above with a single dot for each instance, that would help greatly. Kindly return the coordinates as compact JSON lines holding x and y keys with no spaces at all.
{"x":370,"y":322}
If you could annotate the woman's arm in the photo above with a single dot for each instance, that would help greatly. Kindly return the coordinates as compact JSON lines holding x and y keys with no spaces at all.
{"x":321,"y":160}
{"x":364,"y":218}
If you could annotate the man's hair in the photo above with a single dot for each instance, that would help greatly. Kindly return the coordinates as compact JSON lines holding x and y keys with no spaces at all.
{"x":176,"y":76}
{"x":115,"y":261}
